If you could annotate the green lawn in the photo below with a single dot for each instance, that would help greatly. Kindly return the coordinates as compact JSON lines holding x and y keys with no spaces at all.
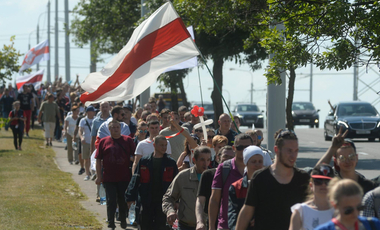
{"x":34,"y":193}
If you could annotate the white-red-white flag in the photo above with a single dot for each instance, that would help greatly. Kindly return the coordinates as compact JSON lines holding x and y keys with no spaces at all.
{"x":35,"y":55}
{"x":34,"y":79}
{"x":159,"y":42}
{"x":191,"y":63}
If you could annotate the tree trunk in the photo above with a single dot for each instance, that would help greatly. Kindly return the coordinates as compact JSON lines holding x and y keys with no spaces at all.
{"x":174,"y":93}
{"x":289,"y":100}
{"x":215,"y":96}
{"x":183,"y":93}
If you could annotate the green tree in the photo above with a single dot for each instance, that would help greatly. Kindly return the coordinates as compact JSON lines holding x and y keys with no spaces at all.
{"x":221,"y":37}
{"x":107,"y":24}
{"x":8,"y":61}
{"x":330,"y":34}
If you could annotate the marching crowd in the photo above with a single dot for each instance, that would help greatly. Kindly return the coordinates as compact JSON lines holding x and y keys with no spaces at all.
{"x":160,"y":161}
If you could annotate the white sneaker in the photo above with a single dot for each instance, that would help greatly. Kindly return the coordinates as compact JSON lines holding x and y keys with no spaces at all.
{"x":87,"y":178}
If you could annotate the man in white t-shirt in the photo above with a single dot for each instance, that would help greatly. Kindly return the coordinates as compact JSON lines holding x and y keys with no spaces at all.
{"x":85,"y":136}
{"x":145,"y":147}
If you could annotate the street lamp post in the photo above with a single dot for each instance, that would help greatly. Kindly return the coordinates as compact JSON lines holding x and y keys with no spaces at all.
{"x":232,"y":69}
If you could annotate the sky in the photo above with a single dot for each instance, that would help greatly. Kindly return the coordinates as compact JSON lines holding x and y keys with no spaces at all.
{"x":20,"y":18}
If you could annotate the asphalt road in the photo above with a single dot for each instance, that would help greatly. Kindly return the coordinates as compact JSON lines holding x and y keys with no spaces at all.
{"x":312,"y":146}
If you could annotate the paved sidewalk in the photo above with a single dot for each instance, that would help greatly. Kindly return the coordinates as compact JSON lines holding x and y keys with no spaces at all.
{"x":87,"y":187}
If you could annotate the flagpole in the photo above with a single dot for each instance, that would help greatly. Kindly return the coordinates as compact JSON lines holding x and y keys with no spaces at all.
{"x":217,"y":86}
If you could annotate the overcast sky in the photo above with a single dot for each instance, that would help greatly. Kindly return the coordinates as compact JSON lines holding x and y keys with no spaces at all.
{"x":20,"y":18}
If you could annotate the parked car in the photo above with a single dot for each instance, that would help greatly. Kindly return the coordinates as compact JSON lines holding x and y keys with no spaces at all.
{"x":360,"y":118}
{"x":304,"y":113}
{"x":249,"y":114}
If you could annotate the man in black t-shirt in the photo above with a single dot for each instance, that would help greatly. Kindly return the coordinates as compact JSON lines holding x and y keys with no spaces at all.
{"x":27,"y":105}
{"x":204,"y":189}
{"x":274,"y":189}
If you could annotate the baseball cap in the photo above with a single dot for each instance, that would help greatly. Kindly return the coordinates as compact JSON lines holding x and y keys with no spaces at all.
{"x":349,"y":142}
{"x":90,"y":109}
{"x":322,"y":171}
{"x":250,"y":151}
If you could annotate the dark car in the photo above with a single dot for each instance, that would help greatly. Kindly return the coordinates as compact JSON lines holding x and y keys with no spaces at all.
{"x":361,"y":120}
{"x":304,"y":113}
{"x":249,"y":114}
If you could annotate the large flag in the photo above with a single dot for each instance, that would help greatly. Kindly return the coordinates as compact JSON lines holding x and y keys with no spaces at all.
{"x":191,"y":63}
{"x":37,"y":54}
{"x":34,"y":79}
{"x":159,"y":42}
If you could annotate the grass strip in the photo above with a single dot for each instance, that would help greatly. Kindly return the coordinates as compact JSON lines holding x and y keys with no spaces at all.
{"x":34,"y":193}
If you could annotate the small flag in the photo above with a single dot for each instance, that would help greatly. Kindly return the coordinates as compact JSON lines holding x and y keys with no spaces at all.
{"x":158,"y":43}
{"x":35,"y":55}
{"x":34,"y":79}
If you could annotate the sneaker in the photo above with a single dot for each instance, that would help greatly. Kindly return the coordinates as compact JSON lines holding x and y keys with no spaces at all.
{"x":27,"y":135}
{"x":77,"y":162}
{"x":87,"y":178}
{"x":81,"y":171}
{"x":97,"y":199}
{"x":93,"y":177}
{"x":71,"y":162}
{"x":47,"y":145}
{"x":51,"y":144}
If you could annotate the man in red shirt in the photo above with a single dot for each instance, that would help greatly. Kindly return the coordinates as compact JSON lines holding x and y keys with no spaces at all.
{"x":116,"y":153}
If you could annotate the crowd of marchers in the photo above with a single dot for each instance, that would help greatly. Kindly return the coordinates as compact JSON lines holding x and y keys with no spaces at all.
{"x":178,"y":178}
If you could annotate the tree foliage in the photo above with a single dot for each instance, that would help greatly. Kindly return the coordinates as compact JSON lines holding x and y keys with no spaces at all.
{"x":9,"y":61}
{"x":221,"y":36}
{"x":108,"y":24}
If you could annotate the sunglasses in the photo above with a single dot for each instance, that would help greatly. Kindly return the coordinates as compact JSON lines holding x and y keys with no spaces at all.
{"x":286,"y":132}
{"x":210,"y":137}
{"x":319,"y":181}
{"x":141,"y":131}
{"x":350,"y":210}
{"x":198,"y":130}
{"x":241,"y":147}
{"x":350,"y":157}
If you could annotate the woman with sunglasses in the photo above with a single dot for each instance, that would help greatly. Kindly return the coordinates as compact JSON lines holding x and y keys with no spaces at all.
{"x":343,"y":152}
{"x":142,"y":130}
{"x":346,"y":198}
{"x":317,"y":209}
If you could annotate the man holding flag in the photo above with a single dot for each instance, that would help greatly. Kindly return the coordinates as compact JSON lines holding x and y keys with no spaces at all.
{"x":27,"y":105}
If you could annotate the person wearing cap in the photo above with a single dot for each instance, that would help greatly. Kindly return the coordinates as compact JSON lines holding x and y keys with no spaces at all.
{"x":317,"y":210}
{"x":345,"y":158}
{"x":50,"y":110}
{"x":253,"y":158}
{"x":85,"y":136}
{"x":275,"y":189}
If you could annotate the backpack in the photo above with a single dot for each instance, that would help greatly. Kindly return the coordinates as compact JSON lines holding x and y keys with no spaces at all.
{"x":227,"y":166}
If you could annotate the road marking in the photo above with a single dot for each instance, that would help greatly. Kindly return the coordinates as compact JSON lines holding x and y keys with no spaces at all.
{"x":362,"y":153}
